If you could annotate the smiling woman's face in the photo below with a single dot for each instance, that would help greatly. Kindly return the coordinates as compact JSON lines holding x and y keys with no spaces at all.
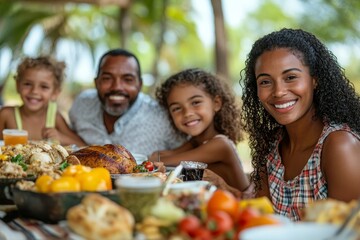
{"x":284,"y":85}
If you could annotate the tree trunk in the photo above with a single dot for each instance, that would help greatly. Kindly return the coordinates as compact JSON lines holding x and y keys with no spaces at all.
{"x":158,"y":46}
{"x":221,"y":55}
{"x":124,"y":24}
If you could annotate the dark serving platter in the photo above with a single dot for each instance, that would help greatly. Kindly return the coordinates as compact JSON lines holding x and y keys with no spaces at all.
{"x":5,"y":184}
{"x":51,"y":207}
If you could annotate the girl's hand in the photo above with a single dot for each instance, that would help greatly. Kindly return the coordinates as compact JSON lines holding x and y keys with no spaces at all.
{"x":51,"y":134}
{"x":154,"y":157}
{"x":219,"y":182}
{"x":160,"y":167}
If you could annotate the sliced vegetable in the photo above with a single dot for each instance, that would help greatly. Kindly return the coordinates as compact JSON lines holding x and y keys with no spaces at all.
{"x":51,"y":115}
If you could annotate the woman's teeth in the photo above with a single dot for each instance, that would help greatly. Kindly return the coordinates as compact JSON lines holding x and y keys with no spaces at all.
{"x":285,"y":105}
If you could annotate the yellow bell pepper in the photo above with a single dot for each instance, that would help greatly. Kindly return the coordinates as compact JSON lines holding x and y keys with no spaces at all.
{"x":3,"y":157}
{"x":262,"y":204}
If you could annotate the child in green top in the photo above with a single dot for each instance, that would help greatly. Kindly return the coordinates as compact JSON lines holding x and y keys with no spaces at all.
{"x":38,"y":81}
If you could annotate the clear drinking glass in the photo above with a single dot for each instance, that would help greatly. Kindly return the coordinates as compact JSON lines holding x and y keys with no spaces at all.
{"x":15,"y":136}
{"x":192,"y":171}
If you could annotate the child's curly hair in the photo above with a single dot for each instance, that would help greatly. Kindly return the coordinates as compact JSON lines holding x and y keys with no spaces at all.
{"x":42,"y":62}
{"x":227,"y":120}
{"x":335,"y":99}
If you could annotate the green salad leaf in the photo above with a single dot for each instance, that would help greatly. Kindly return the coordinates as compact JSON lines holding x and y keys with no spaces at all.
{"x":64,"y":165}
{"x":19,"y":159}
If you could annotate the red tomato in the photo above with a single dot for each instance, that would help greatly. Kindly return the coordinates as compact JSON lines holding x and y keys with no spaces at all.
{"x":148,"y":165}
{"x":202,"y":233}
{"x":246,"y":215}
{"x":223,"y":200}
{"x":220,"y":223}
{"x":189,"y":225}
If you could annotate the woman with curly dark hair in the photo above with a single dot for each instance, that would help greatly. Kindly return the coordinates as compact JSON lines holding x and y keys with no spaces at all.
{"x":204,"y":108}
{"x":302,"y":115}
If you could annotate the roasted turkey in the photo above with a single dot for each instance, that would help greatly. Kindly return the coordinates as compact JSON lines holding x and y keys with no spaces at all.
{"x":116,"y":158}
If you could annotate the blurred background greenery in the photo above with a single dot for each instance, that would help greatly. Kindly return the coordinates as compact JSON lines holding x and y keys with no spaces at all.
{"x":166,"y":35}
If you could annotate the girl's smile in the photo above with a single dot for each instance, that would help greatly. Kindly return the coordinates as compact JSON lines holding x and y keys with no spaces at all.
{"x":37,"y":88}
{"x":192,"y":109}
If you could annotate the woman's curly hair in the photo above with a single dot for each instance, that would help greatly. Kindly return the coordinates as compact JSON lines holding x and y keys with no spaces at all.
{"x":335,"y":99}
{"x":227,"y":120}
{"x":42,"y":62}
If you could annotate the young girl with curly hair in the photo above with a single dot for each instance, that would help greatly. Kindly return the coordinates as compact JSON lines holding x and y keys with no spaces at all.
{"x":203,"y":107}
{"x":302,"y":115}
{"x":38,"y":82}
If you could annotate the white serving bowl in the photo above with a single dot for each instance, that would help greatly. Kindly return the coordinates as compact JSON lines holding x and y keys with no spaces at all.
{"x":296,"y":231}
{"x":189,"y":186}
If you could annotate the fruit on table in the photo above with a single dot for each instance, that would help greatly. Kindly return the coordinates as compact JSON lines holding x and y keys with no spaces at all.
{"x":91,"y":181}
{"x":265,"y":219}
{"x":189,"y":225}
{"x":43,"y":182}
{"x":76,"y":178}
{"x":222,"y":200}
{"x":65,"y":184}
{"x":148,"y":165}
{"x":220,"y":223}
{"x":74,"y":170}
{"x":104,"y":174}
{"x":202,"y":233}
{"x":262,"y":204}
{"x":226,"y":217}
{"x":246,"y":215}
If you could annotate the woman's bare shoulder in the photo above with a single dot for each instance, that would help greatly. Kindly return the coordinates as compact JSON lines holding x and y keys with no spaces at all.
{"x":340,"y":164}
{"x":341,"y":149}
{"x":340,"y":142}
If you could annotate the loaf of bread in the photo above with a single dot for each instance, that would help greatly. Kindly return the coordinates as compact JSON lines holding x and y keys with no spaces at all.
{"x":116,"y":158}
{"x":100,"y":218}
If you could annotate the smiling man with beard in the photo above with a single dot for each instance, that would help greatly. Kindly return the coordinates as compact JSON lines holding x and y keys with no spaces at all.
{"x":117,"y":112}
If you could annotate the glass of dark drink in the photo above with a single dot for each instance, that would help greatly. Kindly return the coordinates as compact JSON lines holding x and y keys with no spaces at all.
{"x":192,"y":171}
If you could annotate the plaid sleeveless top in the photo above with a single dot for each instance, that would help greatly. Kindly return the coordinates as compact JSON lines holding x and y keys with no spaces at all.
{"x":289,"y":197}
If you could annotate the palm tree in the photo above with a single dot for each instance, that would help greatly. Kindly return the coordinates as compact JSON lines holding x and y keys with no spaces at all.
{"x":91,"y":27}
{"x":221,"y":54}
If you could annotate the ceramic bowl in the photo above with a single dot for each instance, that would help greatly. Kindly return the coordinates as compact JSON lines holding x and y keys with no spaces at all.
{"x":51,"y":207}
{"x":189,"y":186}
{"x":295,"y":231}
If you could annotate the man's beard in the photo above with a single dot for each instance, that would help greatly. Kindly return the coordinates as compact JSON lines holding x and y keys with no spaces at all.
{"x":115,"y":110}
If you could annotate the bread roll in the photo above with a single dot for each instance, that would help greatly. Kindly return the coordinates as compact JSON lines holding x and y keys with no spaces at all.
{"x":100,"y":218}
{"x":116,"y":158}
